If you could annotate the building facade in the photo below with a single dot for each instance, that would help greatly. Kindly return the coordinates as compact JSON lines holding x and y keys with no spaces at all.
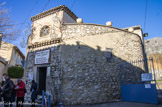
{"x":10,"y":56}
{"x":78,"y":63}
{"x":3,"y":65}
{"x":154,"y":51}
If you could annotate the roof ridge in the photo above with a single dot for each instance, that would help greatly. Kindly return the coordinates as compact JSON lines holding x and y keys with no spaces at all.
{"x":8,"y":43}
{"x":53,"y":10}
{"x":14,"y":46}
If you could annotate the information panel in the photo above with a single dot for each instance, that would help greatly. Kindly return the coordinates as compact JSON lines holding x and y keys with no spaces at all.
{"x":146,"y":77}
{"x":42,"y":57}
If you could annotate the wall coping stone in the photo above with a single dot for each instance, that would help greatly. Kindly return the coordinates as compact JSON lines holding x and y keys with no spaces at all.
{"x":124,"y":30}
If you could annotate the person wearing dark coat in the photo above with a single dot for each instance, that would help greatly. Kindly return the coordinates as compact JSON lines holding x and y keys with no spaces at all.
{"x":2,"y":83}
{"x":7,"y":90}
{"x":33,"y":89}
{"x":0,"y":94}
{"x":13,"y":95}
{"x":3,"y":79}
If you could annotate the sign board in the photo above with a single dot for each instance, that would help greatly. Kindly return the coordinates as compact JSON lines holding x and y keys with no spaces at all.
{"x":147,"y":85}
{"x":42,"y":57}
{"x":146,"y":77}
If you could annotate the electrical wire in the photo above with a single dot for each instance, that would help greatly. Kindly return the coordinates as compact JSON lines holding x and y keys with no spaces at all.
{"x":16,"y":24}
{"x":28,"y":16}
{"x":73,"y":4}
{"x":145,"y":16}
{"x":45,"y":6}
{"x":30,"y":12}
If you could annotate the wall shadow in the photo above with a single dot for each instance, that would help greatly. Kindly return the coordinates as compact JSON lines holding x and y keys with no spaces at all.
{"x":83,"y":75}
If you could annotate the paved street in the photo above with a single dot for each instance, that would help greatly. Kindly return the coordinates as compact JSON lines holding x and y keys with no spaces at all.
{"x":121,"y":104}
{"x":114,"y":104}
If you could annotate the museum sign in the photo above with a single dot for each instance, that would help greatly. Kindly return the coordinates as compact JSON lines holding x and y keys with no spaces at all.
{"x":42,"y":57}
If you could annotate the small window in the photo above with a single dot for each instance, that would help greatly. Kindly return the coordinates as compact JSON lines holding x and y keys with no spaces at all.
{"x":44,"y":31}
{"x":108,"y":54}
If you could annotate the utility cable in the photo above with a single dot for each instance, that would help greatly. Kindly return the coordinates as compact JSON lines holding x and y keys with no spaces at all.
{"x":145,"y":16}
{"x":73,"y":4}
{"x":45,"y":6}
{"x":30,"y":12}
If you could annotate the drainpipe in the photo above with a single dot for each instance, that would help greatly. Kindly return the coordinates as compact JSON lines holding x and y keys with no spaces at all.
{"x":1,"y":34}
{"x":144,"y":53}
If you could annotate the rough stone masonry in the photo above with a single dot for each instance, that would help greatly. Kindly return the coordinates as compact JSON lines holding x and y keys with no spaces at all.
{"x":84,"y":58}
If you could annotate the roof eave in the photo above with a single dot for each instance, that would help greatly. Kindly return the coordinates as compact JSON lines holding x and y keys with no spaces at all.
{"x":52,"y":11}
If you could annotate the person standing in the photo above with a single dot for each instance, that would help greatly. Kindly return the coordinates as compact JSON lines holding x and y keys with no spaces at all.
{"x":33,"y":89}
{"x":2,"y":83}
{"x":0,"y":94}
{"x":7,"y":90}
{"x":3,"y":79}
{"x":20,"y":93}
{"x":13,"y":95}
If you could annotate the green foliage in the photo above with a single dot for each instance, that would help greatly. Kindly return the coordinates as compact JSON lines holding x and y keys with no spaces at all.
{"x":16,"y":72}
{"x":158,"y":80}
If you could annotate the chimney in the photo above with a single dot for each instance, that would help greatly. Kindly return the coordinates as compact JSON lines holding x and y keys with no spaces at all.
{"x":109,"y":23}
{"x":131,"y":29}
{"x":79,"y":20}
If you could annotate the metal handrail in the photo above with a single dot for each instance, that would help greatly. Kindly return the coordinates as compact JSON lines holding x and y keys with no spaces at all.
{"x":48,"y":97}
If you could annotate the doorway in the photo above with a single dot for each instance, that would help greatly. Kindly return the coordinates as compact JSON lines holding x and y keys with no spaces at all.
{"x":42,"y":71}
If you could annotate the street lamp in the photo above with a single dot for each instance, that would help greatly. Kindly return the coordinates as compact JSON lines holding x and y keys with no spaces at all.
{"x":145,"y":35}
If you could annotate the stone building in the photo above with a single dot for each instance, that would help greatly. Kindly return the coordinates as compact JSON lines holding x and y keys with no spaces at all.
{"x":154,"y":50}
{"x":3,"y":64}
{"x":10,"y":55}
{"x":78,"y":63}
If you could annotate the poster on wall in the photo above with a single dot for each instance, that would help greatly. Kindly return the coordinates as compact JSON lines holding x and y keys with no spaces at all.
{"x":48,"y":71}
{"x":30,"y":76}
{"x":42,"y":57}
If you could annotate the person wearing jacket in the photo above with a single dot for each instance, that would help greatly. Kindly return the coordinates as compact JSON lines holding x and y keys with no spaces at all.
{"x":33,"y":89}
{"x":7,"y":90}
{"x":3,"y":79}
{"x":20,"y":92}
{"x":0,"y":94}
{"x":2,"y":83}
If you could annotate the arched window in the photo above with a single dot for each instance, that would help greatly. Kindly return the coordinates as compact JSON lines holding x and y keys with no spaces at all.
{"x":44,"y":31}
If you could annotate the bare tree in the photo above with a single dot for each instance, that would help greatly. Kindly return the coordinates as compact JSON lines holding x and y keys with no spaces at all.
{"x":6,"y":26}
{"x":26,"y":33}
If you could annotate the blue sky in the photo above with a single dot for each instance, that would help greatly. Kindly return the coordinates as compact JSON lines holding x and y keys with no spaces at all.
{"x":122,"y":13}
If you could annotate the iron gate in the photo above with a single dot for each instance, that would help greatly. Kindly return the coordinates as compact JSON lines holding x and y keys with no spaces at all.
{"x":133,"y":89}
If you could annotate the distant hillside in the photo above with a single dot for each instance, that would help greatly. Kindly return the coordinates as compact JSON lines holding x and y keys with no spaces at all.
{"x":153,"y":49}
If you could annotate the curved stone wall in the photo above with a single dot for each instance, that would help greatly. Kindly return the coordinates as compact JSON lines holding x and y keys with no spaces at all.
{"x":85,"y":65}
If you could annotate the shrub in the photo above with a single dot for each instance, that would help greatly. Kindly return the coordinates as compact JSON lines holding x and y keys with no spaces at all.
{"x":16,"y":72}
